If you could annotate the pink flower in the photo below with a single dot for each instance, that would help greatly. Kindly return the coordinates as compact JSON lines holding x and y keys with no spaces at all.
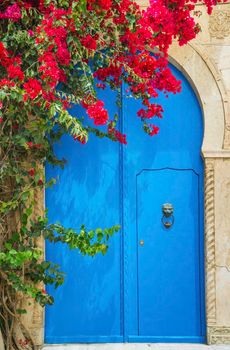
{"x":30,"y":32}
{"x":12,"y":12}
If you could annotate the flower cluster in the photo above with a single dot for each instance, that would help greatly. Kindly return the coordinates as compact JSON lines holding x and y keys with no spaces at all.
{"x":98,"y":113}
{"x":12,"y":65}
{"x":33,"y":88}
{"x":12,"y":12}
{"x":103,"y":40}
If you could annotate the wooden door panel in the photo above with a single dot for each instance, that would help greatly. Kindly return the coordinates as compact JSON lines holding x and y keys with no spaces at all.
{"x":168,"y":261}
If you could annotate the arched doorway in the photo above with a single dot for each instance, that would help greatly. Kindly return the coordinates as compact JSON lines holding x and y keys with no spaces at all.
{"x":150,"y":285}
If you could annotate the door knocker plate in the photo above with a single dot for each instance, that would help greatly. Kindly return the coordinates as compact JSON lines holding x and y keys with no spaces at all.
{"x":168,"y":217}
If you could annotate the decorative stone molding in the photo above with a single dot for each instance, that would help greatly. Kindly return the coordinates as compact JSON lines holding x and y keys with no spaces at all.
{"x":210,"y":242}
{"x":219,"y":24}
{"x":38,"y":313}
{"x":227,"y":136}
{"x":34,"y":319}
{"x":219,"y":335}
{"x":221,"y":95}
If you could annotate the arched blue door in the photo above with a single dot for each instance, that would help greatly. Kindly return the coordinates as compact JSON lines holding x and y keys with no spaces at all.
{"x":149,"y":287}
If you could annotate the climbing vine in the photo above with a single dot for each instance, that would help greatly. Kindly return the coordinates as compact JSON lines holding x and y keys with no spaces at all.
{"x":54,"y":53}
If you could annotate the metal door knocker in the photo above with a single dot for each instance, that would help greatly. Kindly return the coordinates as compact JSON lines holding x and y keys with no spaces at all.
{"x":168,"y":217}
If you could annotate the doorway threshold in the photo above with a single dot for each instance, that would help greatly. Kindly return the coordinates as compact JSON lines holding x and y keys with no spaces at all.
{"x":135,"y":346}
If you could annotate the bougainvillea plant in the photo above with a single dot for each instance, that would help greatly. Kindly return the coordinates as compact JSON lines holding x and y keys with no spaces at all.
{"x":82,"y":46}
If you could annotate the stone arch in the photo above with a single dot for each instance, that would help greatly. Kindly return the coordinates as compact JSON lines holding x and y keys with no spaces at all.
{"x":210,"y":90}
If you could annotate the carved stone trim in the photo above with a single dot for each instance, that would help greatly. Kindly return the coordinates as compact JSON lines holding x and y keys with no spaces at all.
{"x":219,"y":24}
{"x":38,"y":311}
{"x":227,"y":133}
{"x":210,"y":242}
{"x":34,"y":319}
{"x":218,"y":335}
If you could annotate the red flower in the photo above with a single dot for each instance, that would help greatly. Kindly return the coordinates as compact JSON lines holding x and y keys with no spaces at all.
{"x":98,"y":113}
{"x":153,"y":110}
{"x":33,"y":145}
{"x":105,"y":4}
{"x":80,"y":139}
{"x":153,"y":129}
{"x":15,"y":72}
{"x":31,"y":172}
{"x":30,"y":144}
{"x":1,"y":120}
{"x":4,"y":56}
{"x":101,"y":86}
{"x":43,"y":291}
{"x":6,"y":82}
{"x":33,"y":88}
{"x":89,"y":42}
{"x":40,"y":182}
{"x":118,"y":136}
{"x":112,"y":70}
{"x":50,"y":70}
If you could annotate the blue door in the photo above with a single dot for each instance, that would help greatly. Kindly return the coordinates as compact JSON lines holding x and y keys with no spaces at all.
{"x":149,"y":287}
{"x":170,"y":251}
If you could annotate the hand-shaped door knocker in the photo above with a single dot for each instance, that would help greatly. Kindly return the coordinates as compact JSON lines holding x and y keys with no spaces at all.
{"x":167,"y":218}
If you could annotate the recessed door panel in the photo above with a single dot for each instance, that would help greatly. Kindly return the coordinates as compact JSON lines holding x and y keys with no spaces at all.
{"x":88,"y":307}
{"x":168,"y":253}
